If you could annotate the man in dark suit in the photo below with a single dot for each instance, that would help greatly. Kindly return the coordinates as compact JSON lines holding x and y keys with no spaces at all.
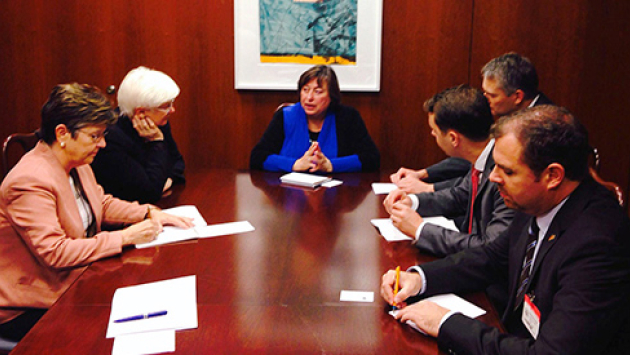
{"x":510,"y":83}
{"x":460,"y":120}
{"x":565,"y":257}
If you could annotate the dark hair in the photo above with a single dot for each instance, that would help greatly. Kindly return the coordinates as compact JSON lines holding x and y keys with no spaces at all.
{"x":324,"y":75}
{"x":513,"y":72}
{"x":548,"y":134}
{"x":463,"y":109}
{"x":75,"y":106}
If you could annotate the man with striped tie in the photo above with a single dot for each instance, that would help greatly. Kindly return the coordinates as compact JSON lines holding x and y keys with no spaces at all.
{"x":565,"y":258}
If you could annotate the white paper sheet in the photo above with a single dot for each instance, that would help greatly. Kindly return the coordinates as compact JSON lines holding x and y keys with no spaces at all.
{"x":332,"y":183}
{"x":176,"y":296}
{"x":383,"y":188}
{"x":162,"y":341}
{"x":452,"y":302}
{"x":200,"y":230}
{"x":215,"y":230}
{"x":388,"y":231}
{"x":442,"y":222}
{"x":172,"y":234}
{"x":356,"y":296}
{"x":393,"y":234}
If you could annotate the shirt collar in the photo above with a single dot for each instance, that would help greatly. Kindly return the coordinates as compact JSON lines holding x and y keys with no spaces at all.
{"x":480,"y":163}
{"x":544,"y":221}
{"x":534,"y":101}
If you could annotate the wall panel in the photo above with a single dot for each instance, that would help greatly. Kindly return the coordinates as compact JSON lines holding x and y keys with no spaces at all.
{"x":578,"y":47}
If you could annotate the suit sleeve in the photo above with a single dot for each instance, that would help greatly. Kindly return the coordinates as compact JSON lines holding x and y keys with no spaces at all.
{"x":356,"y":149}
{"x":32,"y":211}
{"x":441,"y":241}
{"x":266,"y":153}
{"x":447,"y":169}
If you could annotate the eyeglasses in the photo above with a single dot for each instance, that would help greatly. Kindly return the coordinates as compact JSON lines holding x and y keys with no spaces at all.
{"x":166,"y":107}
{"x":95,"y":137}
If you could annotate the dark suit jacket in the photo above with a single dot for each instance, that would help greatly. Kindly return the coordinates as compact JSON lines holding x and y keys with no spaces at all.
{"x":449,"y":172}
{"x":580,"y":282}
{"x":490,"y":216}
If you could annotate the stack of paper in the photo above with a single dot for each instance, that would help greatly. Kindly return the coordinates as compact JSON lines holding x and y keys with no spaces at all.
{"x":174,"y":304}
{"x":302,"y":179}
{"x":200,"y":230}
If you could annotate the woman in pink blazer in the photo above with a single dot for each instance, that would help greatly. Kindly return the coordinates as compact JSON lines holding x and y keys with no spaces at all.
{"x":52,"y":210}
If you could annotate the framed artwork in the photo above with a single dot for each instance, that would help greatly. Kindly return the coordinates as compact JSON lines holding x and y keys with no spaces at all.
{"x":275,"y":41}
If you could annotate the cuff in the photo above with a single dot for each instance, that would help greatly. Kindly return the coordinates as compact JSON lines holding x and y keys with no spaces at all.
{"x":418,"y":269}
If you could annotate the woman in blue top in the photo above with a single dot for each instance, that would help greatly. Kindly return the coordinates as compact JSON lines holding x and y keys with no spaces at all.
{"x":318,"y":134}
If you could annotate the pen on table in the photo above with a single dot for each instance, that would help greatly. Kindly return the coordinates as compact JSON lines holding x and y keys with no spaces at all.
{"x":396,"y":286}
{"x":141,"y":316}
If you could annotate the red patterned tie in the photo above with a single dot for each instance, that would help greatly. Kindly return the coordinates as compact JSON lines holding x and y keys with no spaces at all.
{"x":474,"y":184}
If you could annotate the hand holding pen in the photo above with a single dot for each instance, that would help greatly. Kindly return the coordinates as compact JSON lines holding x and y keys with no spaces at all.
{"x":409,"y":284}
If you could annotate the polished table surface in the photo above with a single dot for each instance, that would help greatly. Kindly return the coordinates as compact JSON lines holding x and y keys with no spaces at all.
{"x":274,"y":290}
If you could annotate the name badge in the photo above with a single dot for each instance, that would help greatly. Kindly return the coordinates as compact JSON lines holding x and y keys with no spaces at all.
{"x":531,"y":317}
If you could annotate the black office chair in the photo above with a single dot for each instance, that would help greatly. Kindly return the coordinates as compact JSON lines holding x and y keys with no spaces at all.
{"x":14,"y":147}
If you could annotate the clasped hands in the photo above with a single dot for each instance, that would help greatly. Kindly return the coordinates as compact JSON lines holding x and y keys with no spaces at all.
{"x":403,"y":217}
{"x":426,"y":314}
{"x":313,"y":160}
{"x":147,"y":230}
{"x":410,"y":181}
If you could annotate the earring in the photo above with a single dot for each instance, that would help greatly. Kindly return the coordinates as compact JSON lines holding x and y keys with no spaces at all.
{"x":62,"y":144}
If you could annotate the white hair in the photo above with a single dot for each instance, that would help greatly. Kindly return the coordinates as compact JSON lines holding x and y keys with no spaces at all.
{"x":144,"y":87}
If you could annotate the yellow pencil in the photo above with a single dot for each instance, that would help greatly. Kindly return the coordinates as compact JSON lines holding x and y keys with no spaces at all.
{"x":396,"y":284}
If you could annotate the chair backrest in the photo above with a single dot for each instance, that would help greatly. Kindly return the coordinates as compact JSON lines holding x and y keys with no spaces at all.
{"x":14,"y":147}
{"x":283,"y":105}
{"x":594,"y":163}
{"x":613,"y":187}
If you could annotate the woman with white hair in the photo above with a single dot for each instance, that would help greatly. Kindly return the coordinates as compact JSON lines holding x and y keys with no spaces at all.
{"x":141,"y":160}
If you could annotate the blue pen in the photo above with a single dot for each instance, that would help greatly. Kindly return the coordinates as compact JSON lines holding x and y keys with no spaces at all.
{"x":141,"y":316}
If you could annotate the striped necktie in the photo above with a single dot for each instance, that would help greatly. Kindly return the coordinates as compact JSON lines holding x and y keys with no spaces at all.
{"x":532,"y":240}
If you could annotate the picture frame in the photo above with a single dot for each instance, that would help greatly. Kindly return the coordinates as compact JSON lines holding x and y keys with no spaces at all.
{"x":250,"y":73}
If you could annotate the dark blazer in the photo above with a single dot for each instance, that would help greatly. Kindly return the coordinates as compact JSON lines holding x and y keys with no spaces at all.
{"x":490,"y":218}
{"x":580,"y":282}
{"x":449,"y":172}
{"x":134,"y":170}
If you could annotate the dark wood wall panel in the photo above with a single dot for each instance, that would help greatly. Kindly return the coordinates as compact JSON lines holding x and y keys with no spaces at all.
{"x":580,"y":52}
{"x":578,"y":47}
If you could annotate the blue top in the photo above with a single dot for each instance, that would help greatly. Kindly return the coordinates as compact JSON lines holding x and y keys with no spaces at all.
{"x":291,"y":126}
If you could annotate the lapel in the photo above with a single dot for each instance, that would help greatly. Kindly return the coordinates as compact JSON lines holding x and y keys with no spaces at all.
{"x":563,"y":219}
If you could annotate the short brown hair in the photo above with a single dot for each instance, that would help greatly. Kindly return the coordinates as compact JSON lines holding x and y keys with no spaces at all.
{"x":323,"y":74}
{"x":74,"y":105}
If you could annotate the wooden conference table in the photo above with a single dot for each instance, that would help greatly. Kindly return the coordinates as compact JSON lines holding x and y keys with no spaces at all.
{"x":274,"y":290}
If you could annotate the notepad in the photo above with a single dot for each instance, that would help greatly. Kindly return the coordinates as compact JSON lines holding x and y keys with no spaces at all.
{"x":201,"y":229}
{"x":302,"y":179}
{"x":453,"y":303}
{"x":177,"y":296}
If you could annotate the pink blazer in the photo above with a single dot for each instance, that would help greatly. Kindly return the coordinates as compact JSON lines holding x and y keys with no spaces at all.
{"x":42,"y":244}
